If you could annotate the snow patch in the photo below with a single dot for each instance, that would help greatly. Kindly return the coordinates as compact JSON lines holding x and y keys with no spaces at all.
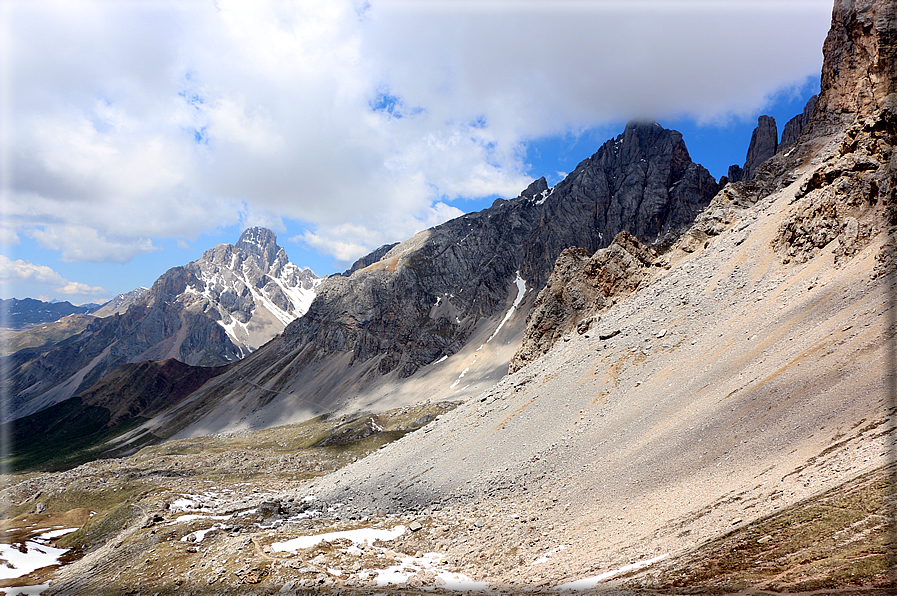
{"x":362,"y":535}
{"x":587,"y":583}
{"x":521,"y":291}
{"x":16,"y":563}
{"x":408,"y":566}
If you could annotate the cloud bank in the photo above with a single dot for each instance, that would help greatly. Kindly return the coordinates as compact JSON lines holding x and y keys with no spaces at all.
{"x":128,"y":121}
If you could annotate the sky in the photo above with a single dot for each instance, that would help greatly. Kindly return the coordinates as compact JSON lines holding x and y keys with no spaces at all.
{"x":134,"y":135}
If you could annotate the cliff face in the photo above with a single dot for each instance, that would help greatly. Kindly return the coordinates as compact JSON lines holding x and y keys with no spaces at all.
{"x":764,"y":142}
{"x":860,"y":52}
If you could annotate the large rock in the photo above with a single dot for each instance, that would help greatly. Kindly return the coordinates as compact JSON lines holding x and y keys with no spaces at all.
{"x":764,"y":141}
{"x":579,"y":288}
{"x":424,"y":297}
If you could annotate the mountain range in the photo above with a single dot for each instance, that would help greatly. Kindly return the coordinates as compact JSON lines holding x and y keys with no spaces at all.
{"x":641,"y":380}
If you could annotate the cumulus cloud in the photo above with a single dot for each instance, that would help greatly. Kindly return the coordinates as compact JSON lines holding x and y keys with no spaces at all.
{"x":141,"y":120}
{"x":19,"y":271}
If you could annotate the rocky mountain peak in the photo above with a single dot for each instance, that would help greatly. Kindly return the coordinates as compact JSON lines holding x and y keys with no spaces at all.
{"x":764,"y":142}
{"x":536,"y":188}
{"x":642,"y":182}
{"x":260,"y":242}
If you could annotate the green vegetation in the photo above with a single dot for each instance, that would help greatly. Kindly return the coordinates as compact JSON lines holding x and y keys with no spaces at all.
{"x":837,"y":539}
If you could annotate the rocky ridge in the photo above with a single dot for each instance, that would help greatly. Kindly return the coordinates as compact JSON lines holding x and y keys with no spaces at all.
{"x":121,"y":303}
{"x":446,"y":289}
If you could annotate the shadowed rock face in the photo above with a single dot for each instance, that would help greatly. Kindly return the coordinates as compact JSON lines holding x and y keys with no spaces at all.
{"x":764,"y":141}
{"x":643,"y":182}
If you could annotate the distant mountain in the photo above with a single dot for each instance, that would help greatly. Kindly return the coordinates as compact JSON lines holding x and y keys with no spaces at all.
{"x":120,"y":303}
{"x":214,"y":310}
{"x":21,"y":314}
{"x":43,"y":334}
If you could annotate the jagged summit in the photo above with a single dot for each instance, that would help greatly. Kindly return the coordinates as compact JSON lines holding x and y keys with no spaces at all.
{"x":642,"y":182}
{"x":253,"y":286}
{"x":260,"y":242}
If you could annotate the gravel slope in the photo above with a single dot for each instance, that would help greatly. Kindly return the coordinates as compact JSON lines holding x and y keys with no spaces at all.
{"x":737,"y":385}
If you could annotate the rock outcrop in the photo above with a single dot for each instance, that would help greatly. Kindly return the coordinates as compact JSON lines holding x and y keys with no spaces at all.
{"x":423,"y":298}
{"x":764,"y":141}
{"x":860,"y":52}
{"x":735,"y":173}
{"x":579,"y":288}
{"x":852,"y":194}
{"x":850,"y":197}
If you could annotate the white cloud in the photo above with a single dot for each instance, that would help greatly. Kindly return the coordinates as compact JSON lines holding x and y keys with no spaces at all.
{"x":80,"y":243}
{"x":140,"y":120}
{"x":18,"y":271}
{"x":348,"y":241}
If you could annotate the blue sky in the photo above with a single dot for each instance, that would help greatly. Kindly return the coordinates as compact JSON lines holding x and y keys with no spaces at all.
{"x":137,"y":135}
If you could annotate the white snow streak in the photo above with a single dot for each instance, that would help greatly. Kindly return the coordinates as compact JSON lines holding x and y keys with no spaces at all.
{"x":590,"y":582}
{"x":521,"y":291}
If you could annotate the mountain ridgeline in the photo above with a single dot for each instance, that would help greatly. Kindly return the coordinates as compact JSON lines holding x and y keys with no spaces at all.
{"x":424,"y":299}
